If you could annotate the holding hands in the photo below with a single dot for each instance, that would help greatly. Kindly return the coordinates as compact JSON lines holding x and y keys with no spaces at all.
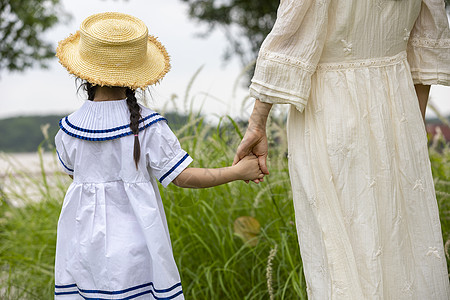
{"x":255,"y":139}
{"x":249,"y":162}
{"x":248,"y":169}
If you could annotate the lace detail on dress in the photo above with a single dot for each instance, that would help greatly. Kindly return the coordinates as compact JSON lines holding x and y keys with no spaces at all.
{"x":363,"y":63}
{"x":287,"y":60}
{"x":429,"y":43}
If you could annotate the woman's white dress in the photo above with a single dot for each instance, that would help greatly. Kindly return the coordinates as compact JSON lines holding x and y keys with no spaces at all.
{"x":366,"y":212}
{"x":112,"y":240}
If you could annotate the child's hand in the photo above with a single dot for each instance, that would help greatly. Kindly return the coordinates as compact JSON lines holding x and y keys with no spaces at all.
{"x":248,"y":168}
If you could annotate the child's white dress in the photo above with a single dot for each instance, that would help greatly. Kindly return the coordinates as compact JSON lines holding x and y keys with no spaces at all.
{"x":113,"y":241}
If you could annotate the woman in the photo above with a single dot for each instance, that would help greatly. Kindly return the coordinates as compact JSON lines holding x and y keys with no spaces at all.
{"x":366,"y":212}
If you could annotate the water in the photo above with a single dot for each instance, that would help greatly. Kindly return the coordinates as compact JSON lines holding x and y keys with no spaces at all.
{"x":21,"y":177}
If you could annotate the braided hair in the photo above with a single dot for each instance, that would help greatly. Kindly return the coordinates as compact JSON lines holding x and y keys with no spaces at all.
{"x":135,"y":115}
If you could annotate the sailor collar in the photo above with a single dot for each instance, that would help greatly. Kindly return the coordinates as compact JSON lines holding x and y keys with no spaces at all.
{"x":105,"y":120}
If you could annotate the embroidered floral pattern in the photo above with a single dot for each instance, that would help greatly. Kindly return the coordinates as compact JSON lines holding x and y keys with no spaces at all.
{"x":433,"y":251}
{"x":379,"y":252}
{"x":371,"y":181}
{"x":406,"y":34}
{"x":340,"y":288}
{"x":399,"y":218}
{"x":307,"y":132}
{"x":313,"y":201}
{"x":418,"y":186}
{"x":407,"y":288}
{"x":323,"y":270}
{"x":347,"y":46}
{"x":403,"y":119}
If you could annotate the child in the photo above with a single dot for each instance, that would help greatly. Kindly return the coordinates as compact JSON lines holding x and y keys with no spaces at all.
{"x":113,"y":241}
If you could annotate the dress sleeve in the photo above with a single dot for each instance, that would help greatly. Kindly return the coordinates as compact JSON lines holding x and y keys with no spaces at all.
{"x":289,"y":55}
{"x":164,"y":155}
{"x":61,"y":152}
{"x":429,"y":45}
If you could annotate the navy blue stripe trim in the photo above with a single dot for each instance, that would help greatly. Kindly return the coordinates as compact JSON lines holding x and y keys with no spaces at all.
{"x":149,"y":284}
{"x":59,"y":157}
{"x":65,"y":286}
{"x":106,"y":130}
{"x":131,"y":289}
{"x":126,"y":298}
{"x":66,"y":293}
{"x":173,"y":168}
{"x":137,"y":295}
{"x":110,"y":137}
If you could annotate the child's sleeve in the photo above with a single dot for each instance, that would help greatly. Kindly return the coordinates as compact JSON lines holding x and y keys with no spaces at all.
{"x":163,"y":153}
{"x":61,"y":152}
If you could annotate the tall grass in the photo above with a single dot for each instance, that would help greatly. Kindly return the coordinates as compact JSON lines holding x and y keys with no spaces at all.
{"x":214,"y":261}
{"x":28,"y":234}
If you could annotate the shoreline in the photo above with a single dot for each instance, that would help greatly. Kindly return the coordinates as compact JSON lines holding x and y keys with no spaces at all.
{"x":21,"y":176}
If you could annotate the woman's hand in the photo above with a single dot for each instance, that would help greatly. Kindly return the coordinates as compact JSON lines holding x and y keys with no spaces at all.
{"x":254,"y":143}
{"x":255,"y":139}
{"x":248,"y":168}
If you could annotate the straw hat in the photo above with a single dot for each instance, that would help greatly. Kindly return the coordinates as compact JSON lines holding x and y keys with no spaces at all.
{"x":114,"y":49}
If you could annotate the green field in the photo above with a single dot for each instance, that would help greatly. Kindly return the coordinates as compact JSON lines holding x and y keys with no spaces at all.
{"x":214,"y":261}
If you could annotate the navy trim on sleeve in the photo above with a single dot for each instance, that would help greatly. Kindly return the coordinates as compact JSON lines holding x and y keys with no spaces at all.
{"x":173,"y":168}
{"x":61,"y":161}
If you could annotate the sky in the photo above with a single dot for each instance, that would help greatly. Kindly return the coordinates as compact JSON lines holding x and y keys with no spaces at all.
{"x":40,"y":91}
{"x":217,"y":89}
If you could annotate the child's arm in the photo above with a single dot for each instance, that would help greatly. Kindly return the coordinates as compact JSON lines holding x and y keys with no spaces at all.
{"x":245,"y":169}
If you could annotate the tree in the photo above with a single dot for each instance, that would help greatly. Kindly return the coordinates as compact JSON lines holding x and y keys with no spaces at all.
{"x":22,"y":26}
{"x":245,"y":22}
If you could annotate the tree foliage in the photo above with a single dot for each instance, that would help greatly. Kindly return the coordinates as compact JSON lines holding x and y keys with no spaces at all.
{"x":244,"y":22}
{"x":23,"y":24}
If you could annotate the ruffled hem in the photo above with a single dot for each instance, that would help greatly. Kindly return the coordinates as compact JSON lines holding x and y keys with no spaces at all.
{"x":266,"y":95}
{"x":272,"y":82}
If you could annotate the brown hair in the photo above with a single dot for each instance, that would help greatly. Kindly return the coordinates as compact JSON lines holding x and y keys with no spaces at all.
{"x":88,"y":87}
{"x":135,"y":115}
